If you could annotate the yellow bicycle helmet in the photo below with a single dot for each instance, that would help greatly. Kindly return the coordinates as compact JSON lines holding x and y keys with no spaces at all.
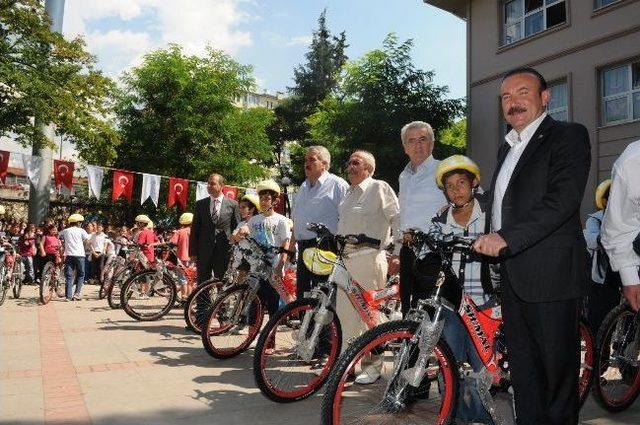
{"x":75,"y":218}
{"x":253,"y":198}
{"x":150,"y":225}
{"x":456,"y":162}
{"x":186,"y":218}
{"x":319,"y":262}
{"x":142,"y":218}
{"x":268,"y":185}
{"x":602,"y":193}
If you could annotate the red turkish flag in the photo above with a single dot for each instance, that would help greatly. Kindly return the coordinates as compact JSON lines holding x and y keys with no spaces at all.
{"x":4,"y":165}
{"x":63,"y":173}
{"x":230,"y":192}
{"x":122,"y":185}
{"x":178,"y":191}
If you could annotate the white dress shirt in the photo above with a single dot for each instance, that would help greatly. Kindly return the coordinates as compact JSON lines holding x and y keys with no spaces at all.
{"x":420,"y":198}
{"x":318,"y":204}
{"x":622,"y":217}
{"x":518,"y":143}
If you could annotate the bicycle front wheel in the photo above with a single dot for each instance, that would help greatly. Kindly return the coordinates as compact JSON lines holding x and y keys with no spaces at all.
{"x":280,"y":371}
{"x":587,"y":359}
{"x":148,"y":296}
{"x":4,"y":285}
{"x":48,"y":283}
{"x":387,"y":400}
{"x":233,"y":324}
{"x":617,"y":383}
{"x":17,"y":276}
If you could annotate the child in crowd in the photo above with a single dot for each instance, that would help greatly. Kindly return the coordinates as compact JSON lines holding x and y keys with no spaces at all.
{"x":248,"y":207}
{"x":181,"y":239}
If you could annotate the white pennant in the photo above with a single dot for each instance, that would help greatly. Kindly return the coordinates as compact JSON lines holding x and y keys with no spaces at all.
{"x":150,"y":188}
{"x":201,"y":190}
{"x":95,"y":175}
{"x":33,"y":165}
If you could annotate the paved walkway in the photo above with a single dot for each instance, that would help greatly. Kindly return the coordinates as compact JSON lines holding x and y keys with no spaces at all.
{"x":83,"y":363}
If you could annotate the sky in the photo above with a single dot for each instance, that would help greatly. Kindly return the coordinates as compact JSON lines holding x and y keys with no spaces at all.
{"x":270,"y":35}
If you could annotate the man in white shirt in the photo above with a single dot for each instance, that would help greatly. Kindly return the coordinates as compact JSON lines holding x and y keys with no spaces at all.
{"x":622,"y":222}
{"x":74,"y":238}
{"x":98,"y":241}
{"x":420,"y":199}
{"x":317,"y":201}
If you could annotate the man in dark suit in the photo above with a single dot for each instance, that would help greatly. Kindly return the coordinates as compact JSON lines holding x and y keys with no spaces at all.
{"x":214,"y":219}
{"x":535,"y":229}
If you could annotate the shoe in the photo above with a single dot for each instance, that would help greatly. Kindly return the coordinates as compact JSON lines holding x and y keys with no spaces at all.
{"x":369,"y":375}
{"x":68,"y":299}
{"x":76,"y":297}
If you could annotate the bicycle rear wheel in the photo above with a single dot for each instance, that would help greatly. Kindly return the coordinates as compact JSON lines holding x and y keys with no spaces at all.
{"x":200,"y":303}
{"x":146,"y":296}
{"x":48,"y":283}
{"x":4,"y":287}
{"x":387,"y":401}
{"x":228,"y":331}
{"x":617,"y":383}
{"x":113,"y":294}
{"x":278,"y":368}
{"x":17,"y":276}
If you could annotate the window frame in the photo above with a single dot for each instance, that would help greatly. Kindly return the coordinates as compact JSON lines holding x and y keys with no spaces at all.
{"x":596,"y":6}
{"x":566,"y":80}
{"x":629,"y":94}
{"x":521,"y":21}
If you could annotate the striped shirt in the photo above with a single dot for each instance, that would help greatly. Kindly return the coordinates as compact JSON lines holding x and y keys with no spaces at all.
{"x":473,"y":229}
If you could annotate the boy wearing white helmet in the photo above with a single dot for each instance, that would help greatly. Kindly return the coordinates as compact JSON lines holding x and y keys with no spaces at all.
{"x":464,"y":215}
{"x":75,"y":239}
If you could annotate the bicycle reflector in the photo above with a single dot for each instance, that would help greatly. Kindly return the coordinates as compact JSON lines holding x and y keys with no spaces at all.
{"x":319,"y":262}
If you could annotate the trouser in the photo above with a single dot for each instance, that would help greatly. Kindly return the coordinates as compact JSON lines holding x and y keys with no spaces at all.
{"x":305,"y":280}
{"x":368,"y":267}
{"x":74,"y":273}
{"x":215,"y":265}
{"x":412,"y":287}
{"x":543,"y":347}
{"x":27,"y":262}
{"x":601,"y":299}
{"x":98,"y":266}
{"x":470,"y":407}
{"x":269,"y":297}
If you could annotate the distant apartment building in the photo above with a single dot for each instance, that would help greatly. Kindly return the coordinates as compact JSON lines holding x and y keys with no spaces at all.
{"x":589,"y":52}
{"x":253,"y":100}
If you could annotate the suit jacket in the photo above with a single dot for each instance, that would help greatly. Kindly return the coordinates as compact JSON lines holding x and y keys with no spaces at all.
{"x":207,"y":238}
{"x":545,"y":259}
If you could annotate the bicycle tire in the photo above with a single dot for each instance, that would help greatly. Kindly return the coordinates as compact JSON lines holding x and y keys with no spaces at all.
{"x":113,"y":294}
{"x":4,"y":288}
{"x":587,"y":349}
{"x":624,"y":317}
{"x":302,"y":378}
{"x":217,"y":327}
{"x":205,"y":294}
{"x":168,"y":291}
{"x":46,"y":292}
{"x":17,"y":276}
{"x":386,"y":335}
{"x":104,"y":289}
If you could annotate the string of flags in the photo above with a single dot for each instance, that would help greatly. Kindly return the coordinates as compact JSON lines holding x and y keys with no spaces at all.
{"x":122,"y":185}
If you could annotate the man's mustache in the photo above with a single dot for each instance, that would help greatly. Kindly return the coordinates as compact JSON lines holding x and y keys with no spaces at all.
{"x":516,"y":109}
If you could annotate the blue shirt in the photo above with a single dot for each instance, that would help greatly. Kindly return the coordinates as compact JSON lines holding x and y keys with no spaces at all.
{"x":318,"y":204}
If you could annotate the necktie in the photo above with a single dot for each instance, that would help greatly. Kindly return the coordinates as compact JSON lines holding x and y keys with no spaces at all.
{"x":214,"y":211}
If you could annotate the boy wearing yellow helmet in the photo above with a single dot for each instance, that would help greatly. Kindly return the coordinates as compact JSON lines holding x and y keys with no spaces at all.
{"x":270,"y":229}
{"x":603,"y":292}
{"x":459,"y":177}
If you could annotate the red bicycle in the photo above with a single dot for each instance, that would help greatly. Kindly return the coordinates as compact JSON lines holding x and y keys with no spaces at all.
{"x":419,"y":375}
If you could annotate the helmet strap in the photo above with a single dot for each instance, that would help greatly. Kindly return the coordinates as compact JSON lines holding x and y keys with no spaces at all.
{"x":457,"y":207}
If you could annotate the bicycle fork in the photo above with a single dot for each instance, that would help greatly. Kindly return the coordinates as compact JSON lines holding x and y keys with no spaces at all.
{"x":322,"y":316}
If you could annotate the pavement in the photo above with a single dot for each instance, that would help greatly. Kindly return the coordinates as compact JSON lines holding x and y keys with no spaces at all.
{"x":83,"y":363}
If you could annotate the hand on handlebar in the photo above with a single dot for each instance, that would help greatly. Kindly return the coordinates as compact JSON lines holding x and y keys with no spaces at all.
{"x":491,"y":245}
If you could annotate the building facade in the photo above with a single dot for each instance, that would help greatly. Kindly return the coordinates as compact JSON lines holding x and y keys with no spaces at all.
{"x":589,"y":52}
{"x":253,"y":100}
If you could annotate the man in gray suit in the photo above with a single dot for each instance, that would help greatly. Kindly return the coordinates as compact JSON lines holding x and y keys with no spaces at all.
{"x":214,"y":219}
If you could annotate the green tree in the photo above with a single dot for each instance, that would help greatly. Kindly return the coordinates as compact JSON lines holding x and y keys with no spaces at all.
{"x":455,"y":136}
{"x":48,"y":79}
{"x":379,"y":93}
{"x":313,"y":81}
{"x":177,"y":118}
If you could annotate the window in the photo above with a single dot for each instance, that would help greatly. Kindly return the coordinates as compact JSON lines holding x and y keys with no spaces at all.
{"x":603,"y":3}
{"x":558,"y":102}
{"x":621,"y":93}
{"x":524,"y":18}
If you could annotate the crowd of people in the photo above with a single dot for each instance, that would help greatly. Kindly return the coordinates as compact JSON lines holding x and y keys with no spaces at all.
{"x":526,"y":221}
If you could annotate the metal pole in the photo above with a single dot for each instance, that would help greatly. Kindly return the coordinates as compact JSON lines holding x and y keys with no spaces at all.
{"x":39,"y":196}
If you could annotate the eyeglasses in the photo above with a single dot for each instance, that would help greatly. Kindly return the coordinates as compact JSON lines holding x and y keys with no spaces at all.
{"x":354,"y":162}
{"x":422,"y":140}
